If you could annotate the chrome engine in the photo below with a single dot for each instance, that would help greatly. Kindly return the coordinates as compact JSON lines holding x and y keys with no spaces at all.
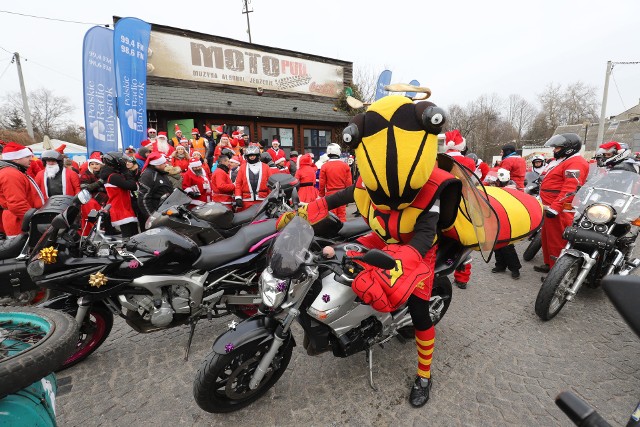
{"x":169,"y":295}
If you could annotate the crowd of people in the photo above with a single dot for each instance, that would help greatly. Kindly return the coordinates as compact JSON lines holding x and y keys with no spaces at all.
{"x":229,"y":170}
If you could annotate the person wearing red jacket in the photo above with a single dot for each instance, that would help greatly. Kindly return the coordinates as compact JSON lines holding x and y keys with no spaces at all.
{"x":180,"y":158}
{"x":195,"y":182}
{"x":455,"y":144}
{"x":152,"y":137}
{"x":18,"y":191}
{"x":251,"y":182}
{"x":118,"y":184}
{"x":55,"y":179}
{"x":224,"y":143}
{"x":161,"y":145}
{"x":515,"y":164}
{"x":275,"y":151}
{"x":306,"y":175}
{"x":562,"y":178}
{"x":222,"y":188}
{"x":335,"y":175}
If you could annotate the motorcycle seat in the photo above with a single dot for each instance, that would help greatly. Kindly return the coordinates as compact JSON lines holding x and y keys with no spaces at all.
{"x":219,"y":253}
{"x":241,"y":218}
{"x":11,"y":248}
{"x":354,"y":227}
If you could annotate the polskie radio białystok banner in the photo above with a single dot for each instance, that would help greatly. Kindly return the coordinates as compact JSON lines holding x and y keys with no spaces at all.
{"x":99,"y":86}
{"x":130,"y":45}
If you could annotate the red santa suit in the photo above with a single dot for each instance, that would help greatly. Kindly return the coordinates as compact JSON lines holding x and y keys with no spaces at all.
{"x":119,"y":197}
{"x":70,"y":183}
{"x":35,"y":167}
{"x":553,"y":190}
{"x":150,"y":140}
{"x":181,"y":162}
{"x":162,"y":145}
{"x":462,"y":159}
{"x":18,"y":191}
{"x":244,"y":190}
{"x":192,"y":183}
{"x":335,"y":175}
{"x":222,"y":188}
{"x":306,"y":175}
{"x":224,"y":143}
{"x":276,"y":154}
{"x":482,"y":169}
{"x":280,"y":167}
{"x":517,"y":168}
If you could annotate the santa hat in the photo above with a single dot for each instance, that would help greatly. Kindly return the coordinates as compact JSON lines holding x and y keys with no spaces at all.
{"x":455,"y":141}
{"x":219,"y":129}
{"x":184,"y":140}
{"x":15,"y":151}
{"x":95,"y":158}
{"x":224,"y":135}
{"x":235,"y":159}
{"x":151,"y":130}
{"x":195,"y":131}
{"x":162,"y":134}
{"x":610,"y":147}
{"x":154,"y":159}
{"x":276,"y":141}
{"x":207,"y":129}
{"x":61,"y":148}
{"x":194,"y":162}
{"x":176,"y":128}
{"x":279,"y":160}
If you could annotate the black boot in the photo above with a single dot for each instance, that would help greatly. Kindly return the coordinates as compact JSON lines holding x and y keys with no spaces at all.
{"x":420,"y":392}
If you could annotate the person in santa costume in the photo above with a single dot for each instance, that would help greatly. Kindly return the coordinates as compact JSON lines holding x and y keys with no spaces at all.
{"x":456,"y":145}
{"x":35,"y":166}
{"x":18,"y":191}
{"x":281,"y":166}
{"x":92,"y":175}
{"x":154,"y":184}
{"x":195,"y":182}
{"x":119,"y":184}
{"x":55,"y":179}
{"x":562,"y":178}
{"x":162,"y":145}
{"x":177,"y":132}
{"x":335,"y":175}
{"x":222,"y":188}
{"x":180,"y":158}
{"x":224,"y":143}
{"x":515,"y":164}
{"x":234,"y":167}
{"x":482,"y":169}
{"x":152,"y":136}
{"x":197,"y":142}
{"x":205,"y":166}
{"x":251,"y":182}
{"x":275,"y":150}
{"x":306,"y":175}
{"x":215,"y":138}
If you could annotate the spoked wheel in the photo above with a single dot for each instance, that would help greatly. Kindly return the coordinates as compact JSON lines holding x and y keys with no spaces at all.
{"x":222,"y":382}
{"x":93,"y":332}
{"x":533,"y":248}
{"x":552,"y":295}
{"x":33,"y":343}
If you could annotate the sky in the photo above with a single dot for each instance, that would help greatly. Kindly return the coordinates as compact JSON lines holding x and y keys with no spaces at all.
{"x":461,"y":49}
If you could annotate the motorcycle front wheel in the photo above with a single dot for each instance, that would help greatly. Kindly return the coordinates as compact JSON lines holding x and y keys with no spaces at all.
{"x":533,"y":248}
{"x":552,"y":295}
{"x":222,"y":382}
{"x":93,"y":332}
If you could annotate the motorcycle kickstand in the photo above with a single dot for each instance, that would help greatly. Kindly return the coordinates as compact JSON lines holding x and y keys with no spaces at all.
{"x":191,"y":332}
{"x":369,"y":359}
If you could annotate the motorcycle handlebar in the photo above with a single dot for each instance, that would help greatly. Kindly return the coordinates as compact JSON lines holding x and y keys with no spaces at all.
{"x":579,"y":411}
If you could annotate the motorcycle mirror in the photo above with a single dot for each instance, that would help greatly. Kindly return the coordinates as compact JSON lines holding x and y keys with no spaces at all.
{"x":84,"y":196}
{"x":380,"y":259}
{"x":624,"y":293}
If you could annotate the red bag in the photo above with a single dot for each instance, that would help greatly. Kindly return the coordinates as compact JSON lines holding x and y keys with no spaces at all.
{"x":386,"y":290}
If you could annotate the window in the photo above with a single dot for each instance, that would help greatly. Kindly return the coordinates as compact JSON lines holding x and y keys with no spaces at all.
{"x":284,"y":135}
{"x":316,"y":141}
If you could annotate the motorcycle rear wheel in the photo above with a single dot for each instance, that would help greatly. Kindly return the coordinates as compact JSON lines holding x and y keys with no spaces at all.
{"x":551,"y":297}
{"x":533,"y":248}
{"x":222,"y":381}
{"x":93,"y":332}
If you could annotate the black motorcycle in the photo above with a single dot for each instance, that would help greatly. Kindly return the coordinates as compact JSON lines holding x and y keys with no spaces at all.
{"x":532,"y":182}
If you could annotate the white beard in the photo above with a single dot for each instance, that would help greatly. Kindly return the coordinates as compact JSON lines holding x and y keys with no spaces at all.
{"x":163,"y":146}
{"x":52,"y":170}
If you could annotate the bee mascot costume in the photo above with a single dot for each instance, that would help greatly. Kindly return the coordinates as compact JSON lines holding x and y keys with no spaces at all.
{"x":406,"y":199}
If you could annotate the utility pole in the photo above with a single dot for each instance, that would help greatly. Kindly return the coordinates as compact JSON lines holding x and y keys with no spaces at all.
{"x":25,"y":104}
{"x":247,"y":12}
{"x":603,"y":112}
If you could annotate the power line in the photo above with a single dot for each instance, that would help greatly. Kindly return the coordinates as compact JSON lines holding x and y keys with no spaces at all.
{"x":615,"y":83}
{"x":5,"y":70}
{"x":6,"y":50}
{"x":52,"y":19}
{"x":52,"y":69}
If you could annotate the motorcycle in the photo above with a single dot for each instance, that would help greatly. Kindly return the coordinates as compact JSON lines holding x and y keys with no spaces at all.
{"x":600,"y":240}
{"x":301,"y":283}
{"x":155,"y":280}
{"x":624,"y":293}
{"x":532,"y":182}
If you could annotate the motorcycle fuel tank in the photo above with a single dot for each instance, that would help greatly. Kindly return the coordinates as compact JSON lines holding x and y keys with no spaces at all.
{"x":166,"y":245}
{"x":214,"y":213}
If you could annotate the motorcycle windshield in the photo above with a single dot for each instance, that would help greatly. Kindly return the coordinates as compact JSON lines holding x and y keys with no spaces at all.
{"x":265,"y":202}
{"x":177,"y":198}
{"x":475,"y":206}
{"x":618,"y":189}
{"x":530,"y":178}
{"x":289,"y":251}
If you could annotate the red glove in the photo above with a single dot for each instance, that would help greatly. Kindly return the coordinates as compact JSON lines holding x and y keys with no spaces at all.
{"x":313,"y":212}
{"x":386,"y":290}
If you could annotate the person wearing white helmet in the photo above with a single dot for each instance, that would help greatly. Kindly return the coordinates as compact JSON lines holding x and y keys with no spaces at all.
{"x":251,"y":182}
{"x":538,"y":164}
{"x":335,"y":175}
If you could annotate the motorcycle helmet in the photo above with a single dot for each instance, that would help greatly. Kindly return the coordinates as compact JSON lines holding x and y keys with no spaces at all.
{"x":266,"y":158}
{"x":474,"y":157}
{"x":51,"y":155}
{"x":333,"y":150}
{"x":115,"y":159}
{"x":537,"y":161}
{"x":252,"y":154}
{"x":503,"y":175}
{"x":227,"y":152}
{"x":611,"y":153}
{"x":570,"y":144}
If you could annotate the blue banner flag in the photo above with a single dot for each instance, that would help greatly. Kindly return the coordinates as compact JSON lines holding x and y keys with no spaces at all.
{"x":383,"y":80}
{"x":130,"y":45}
{"x":99,"y":85}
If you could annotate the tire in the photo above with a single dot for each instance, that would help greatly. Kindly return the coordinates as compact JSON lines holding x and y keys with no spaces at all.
{"x":551,"y":297}
{"x":214,"y":393}
{"x":534,"y":247}
{"x":93,"y":332}
{"x":53,"y":336}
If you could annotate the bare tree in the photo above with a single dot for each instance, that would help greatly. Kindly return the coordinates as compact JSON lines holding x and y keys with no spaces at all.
{"x":366,"y":79}
{"x":580,"y":103}
{"x":520,"y":114}
{"x":551,"y":106}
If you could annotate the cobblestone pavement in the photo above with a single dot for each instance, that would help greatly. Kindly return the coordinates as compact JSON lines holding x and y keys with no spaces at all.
{"x":495,"y":364}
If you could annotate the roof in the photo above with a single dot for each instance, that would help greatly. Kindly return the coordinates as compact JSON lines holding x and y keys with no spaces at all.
{"x":38,"y":148}
{"x":627,"y":131}
{"x":191,"y":100}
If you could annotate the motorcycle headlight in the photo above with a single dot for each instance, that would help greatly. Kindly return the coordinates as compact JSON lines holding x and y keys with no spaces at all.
{"x":599,"y":213}
{"x":273,"y":290}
